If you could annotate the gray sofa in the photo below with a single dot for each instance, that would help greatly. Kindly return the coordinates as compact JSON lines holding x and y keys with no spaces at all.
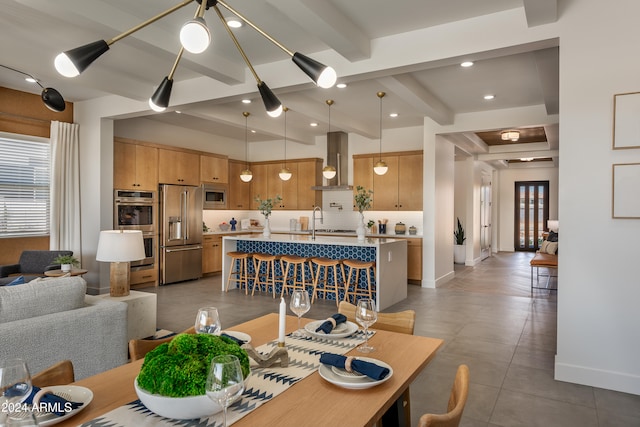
{"x":31,"y":264}
{"x":48,"y":320}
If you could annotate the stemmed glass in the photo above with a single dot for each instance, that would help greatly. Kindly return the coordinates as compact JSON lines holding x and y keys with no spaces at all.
{"x":208,"y":321}
{"x":299,"y":304}
{"x":225,"y":382}
{"x":366,"y":315}
{"x":15,"y":387}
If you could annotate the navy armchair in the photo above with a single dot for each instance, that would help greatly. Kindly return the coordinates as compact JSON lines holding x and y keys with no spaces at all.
{"x":32,"y":263}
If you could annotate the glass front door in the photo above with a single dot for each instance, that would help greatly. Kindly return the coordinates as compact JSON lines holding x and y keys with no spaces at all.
{"x":531,"y":214}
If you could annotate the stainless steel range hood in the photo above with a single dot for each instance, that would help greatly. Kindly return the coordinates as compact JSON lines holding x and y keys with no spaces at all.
{"x":338,"y":157}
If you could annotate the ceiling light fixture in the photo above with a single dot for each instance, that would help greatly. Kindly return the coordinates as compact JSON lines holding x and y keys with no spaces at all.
{"x":246,"y":101}
{"x":341,"y":85}
{"x":393,"y":115}
{"x":234,"y":23}
{"x":285,"y":173}
{"x":73,"y":62}
{"x":380,"y":167}
{"x":50,"y":97}
{"x":489,"y":97}
{"x":329,"y":171}
{"x":526,"y":159}
{"x":467,"y":64}
{"x":510,"y":135}
{"x":246,"y":174}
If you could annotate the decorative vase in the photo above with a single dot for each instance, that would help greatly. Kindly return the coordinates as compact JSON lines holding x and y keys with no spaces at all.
{"x":65,"y":268}
{"x":266,"y":232}
{"x":459,"y":254}
{"x":360,"y":229}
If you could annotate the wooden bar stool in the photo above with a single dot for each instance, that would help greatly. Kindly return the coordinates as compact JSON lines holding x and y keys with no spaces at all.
{"x":268,"y":277}
{"x":351,"y":287}
{"x":239,"y":269}
{"x":293,"y":273}
{"x":328,"y":287}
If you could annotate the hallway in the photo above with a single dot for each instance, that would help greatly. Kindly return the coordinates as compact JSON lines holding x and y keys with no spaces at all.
{"x":488,"y":321}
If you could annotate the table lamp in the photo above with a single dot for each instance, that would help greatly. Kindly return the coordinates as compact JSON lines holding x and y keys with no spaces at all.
{"x":119,"y":247}
{"x":553,"y":225}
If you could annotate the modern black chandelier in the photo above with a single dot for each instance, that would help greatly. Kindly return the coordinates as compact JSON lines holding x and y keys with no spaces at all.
{"x":195,"y":37}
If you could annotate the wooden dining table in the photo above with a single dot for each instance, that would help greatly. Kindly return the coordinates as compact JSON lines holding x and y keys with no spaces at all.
{"x":311,"y":401}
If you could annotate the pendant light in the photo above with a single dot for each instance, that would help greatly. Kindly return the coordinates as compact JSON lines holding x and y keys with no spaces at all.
{"x":329,"y":171}
{"x":285,"y":173}
{"x":380,"y":167}
{"x":246,"y":174}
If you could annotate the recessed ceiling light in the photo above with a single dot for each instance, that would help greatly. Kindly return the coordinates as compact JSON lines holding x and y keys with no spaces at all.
{"x":30,"y":79}
{"x":467,"y":64}
{"x":489,"y":97}
{"x":234,"y":23}
{"x":178,"y":112}
{"x":393,"y":114}
{"x":246,"y":101}
{"x":313,"y":124}
{"x":341,"y":85}
{"x":253,"y":131}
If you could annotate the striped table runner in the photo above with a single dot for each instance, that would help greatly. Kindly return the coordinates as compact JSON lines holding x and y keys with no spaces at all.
{"x":263,"y":385}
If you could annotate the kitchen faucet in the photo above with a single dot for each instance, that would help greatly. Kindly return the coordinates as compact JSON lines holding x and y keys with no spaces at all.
{"x":313,"y":221}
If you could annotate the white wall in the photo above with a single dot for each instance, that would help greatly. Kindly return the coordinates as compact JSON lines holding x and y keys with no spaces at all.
{"x":598,"y":316}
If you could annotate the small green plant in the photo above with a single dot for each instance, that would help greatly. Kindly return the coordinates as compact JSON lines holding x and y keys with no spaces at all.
{"x":371,"y":223}
{"x":459,"y":234}
{"x":66,"y":259}
{"x":266,"y":205}
{"x":363,"y":198}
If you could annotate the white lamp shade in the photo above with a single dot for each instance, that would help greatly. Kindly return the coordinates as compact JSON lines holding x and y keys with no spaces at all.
{"x":329,"y":172}
{"x":380,"y":168}
{"x":246,"y":175}
{"x":120,"y":246}
{"x":552,"y":225}
{"x":285,"y":174}
{"x":195,"y":35}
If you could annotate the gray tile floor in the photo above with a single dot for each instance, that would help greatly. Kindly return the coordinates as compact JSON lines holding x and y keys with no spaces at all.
{"x":488,"y":321}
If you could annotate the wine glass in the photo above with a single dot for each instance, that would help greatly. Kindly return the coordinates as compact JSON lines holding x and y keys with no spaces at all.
{"x":225,"y":382}
{"x":208,"y":321}
{"x":299,"y":304}
{"x":15,"y":386}
{"x":366,"y":315}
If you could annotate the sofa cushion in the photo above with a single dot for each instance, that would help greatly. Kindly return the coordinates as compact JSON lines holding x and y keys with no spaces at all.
{"x":43,"y":297}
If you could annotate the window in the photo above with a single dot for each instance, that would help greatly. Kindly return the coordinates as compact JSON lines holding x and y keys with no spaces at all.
{"x":531,"y":214}
{"x":24,"y":186}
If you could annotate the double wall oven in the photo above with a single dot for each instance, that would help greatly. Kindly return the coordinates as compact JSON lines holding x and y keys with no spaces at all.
{"x":138,"y":210}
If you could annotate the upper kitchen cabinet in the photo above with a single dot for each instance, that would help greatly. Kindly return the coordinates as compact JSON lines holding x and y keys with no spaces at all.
{"x":178,"y":167}
{"x":135,"y":167}
{"x":400,"y":188}
{"x":296,"y":193}
{"x":288,"y":190}
{"x":214,"y":169}
{"x":239,"y":191}
{"x":259,"y":186}
{"x":309,"y":175}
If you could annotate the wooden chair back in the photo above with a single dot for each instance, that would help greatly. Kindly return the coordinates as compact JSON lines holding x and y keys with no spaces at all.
{"x":401,"y":321}
{"x":457,"y":400}
{"x":139,"y":348}
{"x":59,"y":374}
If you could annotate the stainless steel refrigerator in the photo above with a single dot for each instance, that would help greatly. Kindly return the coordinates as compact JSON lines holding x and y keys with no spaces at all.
{"x":181,"y":233}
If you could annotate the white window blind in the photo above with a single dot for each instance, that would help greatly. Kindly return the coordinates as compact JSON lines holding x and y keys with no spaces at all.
{"x":24,"y":187}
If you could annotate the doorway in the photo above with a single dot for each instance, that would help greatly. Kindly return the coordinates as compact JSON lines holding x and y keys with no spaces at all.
{"x":531,"y":213}
{"x":485,"y":217}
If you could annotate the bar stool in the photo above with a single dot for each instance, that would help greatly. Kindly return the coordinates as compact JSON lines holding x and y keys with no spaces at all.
{"x":269,"y":275}
{"x":239,"y":269}
{"x":293,"y":274}
{"x":327,"y":288}
{"x":355,"y":266}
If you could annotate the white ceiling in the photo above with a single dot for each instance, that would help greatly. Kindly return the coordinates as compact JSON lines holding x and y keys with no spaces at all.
{"x":35,"y":31}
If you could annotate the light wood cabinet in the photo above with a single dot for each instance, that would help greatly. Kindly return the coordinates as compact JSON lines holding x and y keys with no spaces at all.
{"x":214,"y":169}
{"x":178,"y":167}
{"x":296,"y":193}
{"x":211,"y":254}
{"x":288,"y":190}
{"x":239,"y":191}
{"x":309,"y":175}
{"x":414,"y":260}
{"x":259,"y":184}
{"x":135,"y":167}
{"x":139,"y":277}
{"x":400,"y":188}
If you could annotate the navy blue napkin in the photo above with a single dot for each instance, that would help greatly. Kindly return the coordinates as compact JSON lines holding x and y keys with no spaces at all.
{"x":55,"y":404}
{"x":237,"y":340}
{"x":327,"y":326}
{"x":372,"y":370}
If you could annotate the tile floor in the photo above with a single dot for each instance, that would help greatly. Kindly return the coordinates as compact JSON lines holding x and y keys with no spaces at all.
{"x":488,"y":321}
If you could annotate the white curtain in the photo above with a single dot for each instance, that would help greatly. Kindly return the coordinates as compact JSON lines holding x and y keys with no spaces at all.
{"x":65,"y":188}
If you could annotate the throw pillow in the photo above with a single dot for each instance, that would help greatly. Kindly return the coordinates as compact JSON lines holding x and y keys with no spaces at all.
{"x":552,"y":248}
{"x":543,"y":246}
{"x":553,"y":236}
{"x":17,"y":281}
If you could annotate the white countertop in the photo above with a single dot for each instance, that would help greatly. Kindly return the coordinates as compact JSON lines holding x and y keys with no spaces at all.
{"x":318,"y":233}
{"x":320,"y":240}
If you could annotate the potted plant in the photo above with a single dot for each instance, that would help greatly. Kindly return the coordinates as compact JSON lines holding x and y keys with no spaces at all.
{"x":265,"y":206}
{"x":371,"y":225}
{"x":363,"y":201}
{"x":459,"y":249}
{"x":66,"y":262}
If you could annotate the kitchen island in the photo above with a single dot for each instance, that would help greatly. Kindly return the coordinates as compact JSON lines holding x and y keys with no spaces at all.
{"x":390,"y":256}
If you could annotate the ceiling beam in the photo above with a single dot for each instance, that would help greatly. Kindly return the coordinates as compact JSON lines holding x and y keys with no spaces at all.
{"x":540,"y":12}
{"x":517,"y":155}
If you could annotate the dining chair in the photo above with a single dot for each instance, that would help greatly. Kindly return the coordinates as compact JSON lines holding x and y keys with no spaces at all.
{"x":457,"y":400}
{"x":402,"y":322}
{"x":139,"y":348}
{"x":59,"y":374}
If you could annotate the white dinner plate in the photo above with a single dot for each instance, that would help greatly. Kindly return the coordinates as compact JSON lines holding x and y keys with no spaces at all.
{"x":340,"y":331}
{"x":239,"y":335}
{"x":73,"y":393}
{"x":356,"y":383}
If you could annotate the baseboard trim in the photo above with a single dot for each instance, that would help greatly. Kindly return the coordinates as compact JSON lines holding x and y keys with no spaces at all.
{"x":610,"y":380}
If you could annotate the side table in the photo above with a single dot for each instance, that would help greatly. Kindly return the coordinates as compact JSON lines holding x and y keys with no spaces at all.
{"x":58,"y":272}
{"x":141,"y":313}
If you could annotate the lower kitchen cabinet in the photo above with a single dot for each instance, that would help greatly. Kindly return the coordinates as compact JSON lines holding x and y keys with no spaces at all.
{"x":414,"y":260}
{"x":211,"y":254}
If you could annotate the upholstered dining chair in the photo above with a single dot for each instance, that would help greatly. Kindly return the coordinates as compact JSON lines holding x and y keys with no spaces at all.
{"x":59,"y":374}
{"x":457,"y":400}
{"x":139,"y":348}
{"x":402,"y":322}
